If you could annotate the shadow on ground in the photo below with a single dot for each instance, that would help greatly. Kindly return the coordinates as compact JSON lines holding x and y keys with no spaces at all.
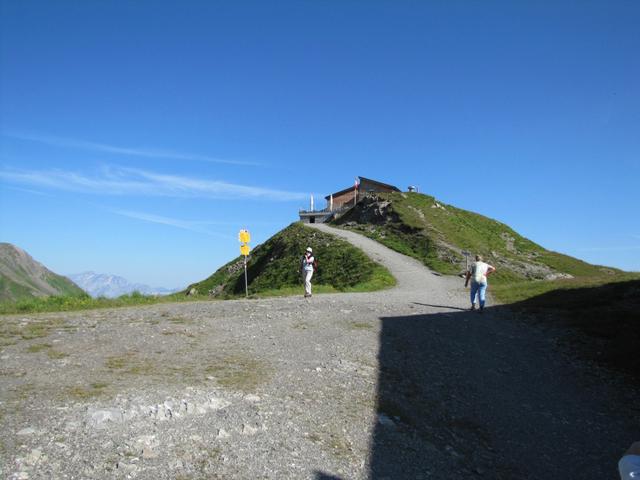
{"x":465,"y":395}
{"x":602,"y":323}
{"x":325,"y":476}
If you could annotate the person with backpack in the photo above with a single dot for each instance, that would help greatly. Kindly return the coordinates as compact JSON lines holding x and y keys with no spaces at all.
{"x":307,"y":267}
{"x":478,"y":274}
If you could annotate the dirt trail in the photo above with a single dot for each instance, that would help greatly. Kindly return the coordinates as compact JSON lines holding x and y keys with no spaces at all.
{"x":396,"y":384}
{"x":412,"y":276}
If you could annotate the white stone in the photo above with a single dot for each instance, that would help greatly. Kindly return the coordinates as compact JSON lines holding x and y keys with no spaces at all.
{"x":218,"y":403}
{"x":33,"y":457}
{"x":26,"y":431}
{"x":249,"y":430}
{"x":100,"y":418}
{"x":148,"y":453}
{"x":127,"y":468}
{"x":252,"y":398}
{"x":147,"y":440}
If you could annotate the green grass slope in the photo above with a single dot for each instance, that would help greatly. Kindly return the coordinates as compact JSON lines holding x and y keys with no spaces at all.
{"x":12,"y":289}
{"x":436,"y":234}
{"x":21,"y":277}
{"x":274,"y":267}
{"x":69,"y":303}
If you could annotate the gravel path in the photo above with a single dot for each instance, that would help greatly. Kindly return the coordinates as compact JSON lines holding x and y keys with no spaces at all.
{"x":396,"y":384}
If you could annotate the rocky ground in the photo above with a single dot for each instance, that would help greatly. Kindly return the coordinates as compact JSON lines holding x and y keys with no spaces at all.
{"x":396,"y":384}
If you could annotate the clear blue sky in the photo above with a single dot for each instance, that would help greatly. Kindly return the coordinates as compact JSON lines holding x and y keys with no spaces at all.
{"x":138,"y":137}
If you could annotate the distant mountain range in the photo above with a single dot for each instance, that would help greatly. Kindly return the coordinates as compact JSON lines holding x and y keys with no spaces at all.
{"x":111,"y":286}
{"x":23,"y":277}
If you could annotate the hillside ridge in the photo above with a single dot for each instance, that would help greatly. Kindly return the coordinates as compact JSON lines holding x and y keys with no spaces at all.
{"x":438,"y":235}
{"x":21,"y":276}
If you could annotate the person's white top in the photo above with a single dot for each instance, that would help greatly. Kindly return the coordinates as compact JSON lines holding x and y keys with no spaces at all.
{"x":479,"y":272}
{"x":308,"y":263}
{"x":629,"y":467}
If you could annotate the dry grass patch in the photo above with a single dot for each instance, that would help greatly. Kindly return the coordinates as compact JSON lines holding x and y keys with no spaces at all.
{"x":180,"y":320}
{"x":12,"y":331}
{"x":83,"y":393}
{"x":301,"y":325}
{"x":239,"y":371}
{"x":46,"y":347}
{"x":359,"y":326}
{"x":38,"y":347}
{"x":132,"y":364}
{"x":186,"y":333}
{"x":334,"y":443}
{"x":56,"y":355}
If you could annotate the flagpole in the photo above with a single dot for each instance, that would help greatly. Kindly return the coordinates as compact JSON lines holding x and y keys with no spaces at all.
{"x":355,"y":192}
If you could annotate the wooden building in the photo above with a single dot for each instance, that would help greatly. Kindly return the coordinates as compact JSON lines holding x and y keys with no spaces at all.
{"x":340,"y":201}
{"x":348,"y":196}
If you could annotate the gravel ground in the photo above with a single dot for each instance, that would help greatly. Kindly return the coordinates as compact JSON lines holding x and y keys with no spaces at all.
{"x":396,"y":384}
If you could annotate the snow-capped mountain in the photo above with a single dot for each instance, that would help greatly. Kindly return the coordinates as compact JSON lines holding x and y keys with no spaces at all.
{"x":111,"y":286}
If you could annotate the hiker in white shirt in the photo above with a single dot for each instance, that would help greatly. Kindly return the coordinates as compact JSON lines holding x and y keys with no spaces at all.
{"x":478,"y":275}
{"x":307,"y":270}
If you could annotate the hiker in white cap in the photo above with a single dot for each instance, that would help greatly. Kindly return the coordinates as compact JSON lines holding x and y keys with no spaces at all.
{"x":307,"y":268}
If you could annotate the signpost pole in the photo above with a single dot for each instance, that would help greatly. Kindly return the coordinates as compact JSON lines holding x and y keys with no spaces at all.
{"x":244,"y":237}
{"x":246,"y":285}
{"x":466,"y":259}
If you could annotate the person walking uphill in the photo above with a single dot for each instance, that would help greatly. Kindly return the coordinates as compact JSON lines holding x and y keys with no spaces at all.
{"x":307,"y":268}
{"x":478,"y":275}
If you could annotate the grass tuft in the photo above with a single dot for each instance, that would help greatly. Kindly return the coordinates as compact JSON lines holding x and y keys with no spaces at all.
{"x":88,"y":392}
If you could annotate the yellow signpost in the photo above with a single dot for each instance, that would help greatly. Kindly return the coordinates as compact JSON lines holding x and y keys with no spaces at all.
{"x":245,"y":237}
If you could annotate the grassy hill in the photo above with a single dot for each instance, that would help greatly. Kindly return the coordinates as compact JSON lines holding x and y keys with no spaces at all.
{"x":273,"y":267}
{"x":273,"y":270}
{"x":21,"y":277}
{"x":436,"y":234}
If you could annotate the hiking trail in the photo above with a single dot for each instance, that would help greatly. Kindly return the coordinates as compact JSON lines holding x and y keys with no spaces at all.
{"x":400,"y":383}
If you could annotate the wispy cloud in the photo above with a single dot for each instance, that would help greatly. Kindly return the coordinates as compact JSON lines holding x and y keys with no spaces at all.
{"x":194,"y":226}
{"x":113,"y":180}
{"x":114,"y":149}
{"x":32,"y":192}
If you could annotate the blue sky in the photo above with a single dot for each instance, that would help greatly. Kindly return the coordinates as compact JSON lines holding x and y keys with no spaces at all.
{"x":137,"y":138}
